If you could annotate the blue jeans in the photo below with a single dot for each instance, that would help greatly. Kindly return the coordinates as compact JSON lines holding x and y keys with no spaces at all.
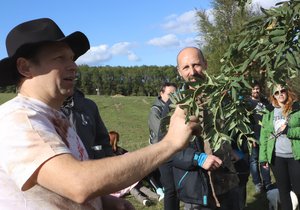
{"x":259,"y":174}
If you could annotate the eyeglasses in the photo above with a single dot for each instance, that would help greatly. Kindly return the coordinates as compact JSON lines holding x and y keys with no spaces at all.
{"x":279,"y":92}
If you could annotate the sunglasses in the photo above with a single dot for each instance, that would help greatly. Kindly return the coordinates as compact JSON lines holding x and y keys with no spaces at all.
{"x":279,"y":92}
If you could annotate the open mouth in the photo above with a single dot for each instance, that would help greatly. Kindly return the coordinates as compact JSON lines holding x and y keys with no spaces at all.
{"x":70,"y":79}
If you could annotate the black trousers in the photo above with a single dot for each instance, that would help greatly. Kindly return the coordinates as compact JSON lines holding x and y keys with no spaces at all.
{"x":171,"y":201}
{"x":286,"y":172}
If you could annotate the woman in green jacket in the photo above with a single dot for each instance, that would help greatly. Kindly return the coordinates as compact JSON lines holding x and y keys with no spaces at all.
{"x":280,"y":142}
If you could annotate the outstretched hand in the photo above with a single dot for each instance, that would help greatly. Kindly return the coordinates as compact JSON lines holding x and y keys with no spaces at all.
{"x":179,"y":131}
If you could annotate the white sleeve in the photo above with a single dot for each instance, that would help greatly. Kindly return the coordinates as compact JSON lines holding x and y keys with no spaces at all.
{"x":27,"y":140}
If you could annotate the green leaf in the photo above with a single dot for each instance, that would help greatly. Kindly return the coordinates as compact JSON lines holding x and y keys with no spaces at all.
{"x":277,"y":32}
{"x":291,"y":59}
{"x":232,"y":125}
{"x":242,"y":44}
{"x":277,"y":39}
{"x":253,"y":54}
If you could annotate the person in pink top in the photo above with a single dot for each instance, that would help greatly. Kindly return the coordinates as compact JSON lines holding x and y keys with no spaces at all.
{"x":43,"y":161}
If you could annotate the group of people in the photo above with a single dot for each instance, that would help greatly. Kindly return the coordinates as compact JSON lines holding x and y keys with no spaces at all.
{"x":193,"y":175}
{"x":44,"y":163}
{"x":56,"y":152}
{"x":276,"y":130}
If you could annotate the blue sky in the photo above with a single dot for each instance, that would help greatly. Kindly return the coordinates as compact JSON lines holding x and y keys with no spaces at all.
{"x":121,"y":32}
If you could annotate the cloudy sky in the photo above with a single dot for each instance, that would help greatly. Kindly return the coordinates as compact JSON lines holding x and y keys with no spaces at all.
{"x":121,"y":32}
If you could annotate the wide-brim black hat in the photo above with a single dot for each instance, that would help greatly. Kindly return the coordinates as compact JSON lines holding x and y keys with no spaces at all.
{"x":32,"y":33}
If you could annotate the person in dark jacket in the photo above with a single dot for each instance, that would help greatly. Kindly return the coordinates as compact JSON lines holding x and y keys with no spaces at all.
{"x":85,"y":118}
{"x":186,"y":173}
{"x":257,"y":103}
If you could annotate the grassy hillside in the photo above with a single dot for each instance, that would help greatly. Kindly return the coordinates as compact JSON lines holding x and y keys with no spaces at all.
{"x":128,"y":116}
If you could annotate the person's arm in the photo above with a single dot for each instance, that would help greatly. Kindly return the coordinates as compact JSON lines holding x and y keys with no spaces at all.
{"x":83,"y":180}
{"x":184,"y":159}
{"x":293,"y":129}
{"x":264,"y":136}
{"x":190,"y":159}
{"x":154,"y":120}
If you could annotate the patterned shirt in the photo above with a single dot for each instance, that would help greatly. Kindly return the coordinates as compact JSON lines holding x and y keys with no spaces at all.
{"x":31,"y":133}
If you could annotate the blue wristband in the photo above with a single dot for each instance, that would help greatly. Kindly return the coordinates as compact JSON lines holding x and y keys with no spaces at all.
{"x":200,"y":158}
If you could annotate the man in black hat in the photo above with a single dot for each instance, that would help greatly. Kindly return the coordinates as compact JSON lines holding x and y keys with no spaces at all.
{"x":43,"y":162}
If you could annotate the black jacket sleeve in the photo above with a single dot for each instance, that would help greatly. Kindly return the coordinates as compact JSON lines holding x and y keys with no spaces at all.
{"x":185,"y":159}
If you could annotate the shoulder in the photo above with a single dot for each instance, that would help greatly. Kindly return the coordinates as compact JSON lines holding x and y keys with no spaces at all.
{"x":264,"y":100}
{"x":158,"y":105}
{"x":82,"y":103}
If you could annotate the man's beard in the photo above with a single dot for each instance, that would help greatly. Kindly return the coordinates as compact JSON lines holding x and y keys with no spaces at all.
{"x":255,"y":95}
{"x":197,"y":77}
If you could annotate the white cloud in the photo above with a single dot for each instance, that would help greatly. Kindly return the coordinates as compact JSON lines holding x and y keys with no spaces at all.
{"x":132,"y":56}
{"x":183,"y":24}
{"x":266,"y":3}
{"x":165,"y":41}
{"x":188,"y":42}
{"x":97,"y":54}
{"x":102,"y":53}
{"x":121,"y":48}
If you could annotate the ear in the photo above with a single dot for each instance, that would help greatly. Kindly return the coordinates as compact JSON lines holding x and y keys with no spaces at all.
{"x":23,"y":67}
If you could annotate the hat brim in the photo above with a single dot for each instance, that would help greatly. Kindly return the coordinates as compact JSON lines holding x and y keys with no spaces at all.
{"x":77,"y":41}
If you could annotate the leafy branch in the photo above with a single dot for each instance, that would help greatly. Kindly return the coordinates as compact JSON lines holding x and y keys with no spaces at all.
{"x":268,"y":47}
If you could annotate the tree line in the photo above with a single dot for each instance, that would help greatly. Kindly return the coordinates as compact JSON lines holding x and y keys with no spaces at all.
{"x":127,"y":81}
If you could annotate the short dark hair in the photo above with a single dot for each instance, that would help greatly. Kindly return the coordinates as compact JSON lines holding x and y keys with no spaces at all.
{"x":167,"y":84}
{"x":255,"y":83}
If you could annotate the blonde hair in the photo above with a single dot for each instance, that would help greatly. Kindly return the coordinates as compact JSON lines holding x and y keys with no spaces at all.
{"x":291,"y":98}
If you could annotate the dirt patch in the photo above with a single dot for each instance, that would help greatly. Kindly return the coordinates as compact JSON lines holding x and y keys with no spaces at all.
{"x":146,"y":102}
{"x":118,"y":95}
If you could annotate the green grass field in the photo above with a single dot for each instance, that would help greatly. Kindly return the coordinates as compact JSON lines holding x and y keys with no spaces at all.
{"x":128,"y":116}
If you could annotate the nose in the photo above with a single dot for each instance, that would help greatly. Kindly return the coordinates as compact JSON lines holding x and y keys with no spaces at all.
{"x":73,"y":66}
{"x":192,"y":71}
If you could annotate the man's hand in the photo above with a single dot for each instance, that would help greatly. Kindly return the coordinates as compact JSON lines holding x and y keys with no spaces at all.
{"x":114,"y":203}
{"x":211,"y":163}
{"x":180,"y":132}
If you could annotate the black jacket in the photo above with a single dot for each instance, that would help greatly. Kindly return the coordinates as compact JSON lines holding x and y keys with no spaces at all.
{"x":257,"y":106}
{"x":190,"y":180}
{"x":84,"y":116}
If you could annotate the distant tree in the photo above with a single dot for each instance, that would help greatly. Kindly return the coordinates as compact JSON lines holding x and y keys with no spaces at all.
{"x":85,"y":81}
{"x":136,"y":80}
